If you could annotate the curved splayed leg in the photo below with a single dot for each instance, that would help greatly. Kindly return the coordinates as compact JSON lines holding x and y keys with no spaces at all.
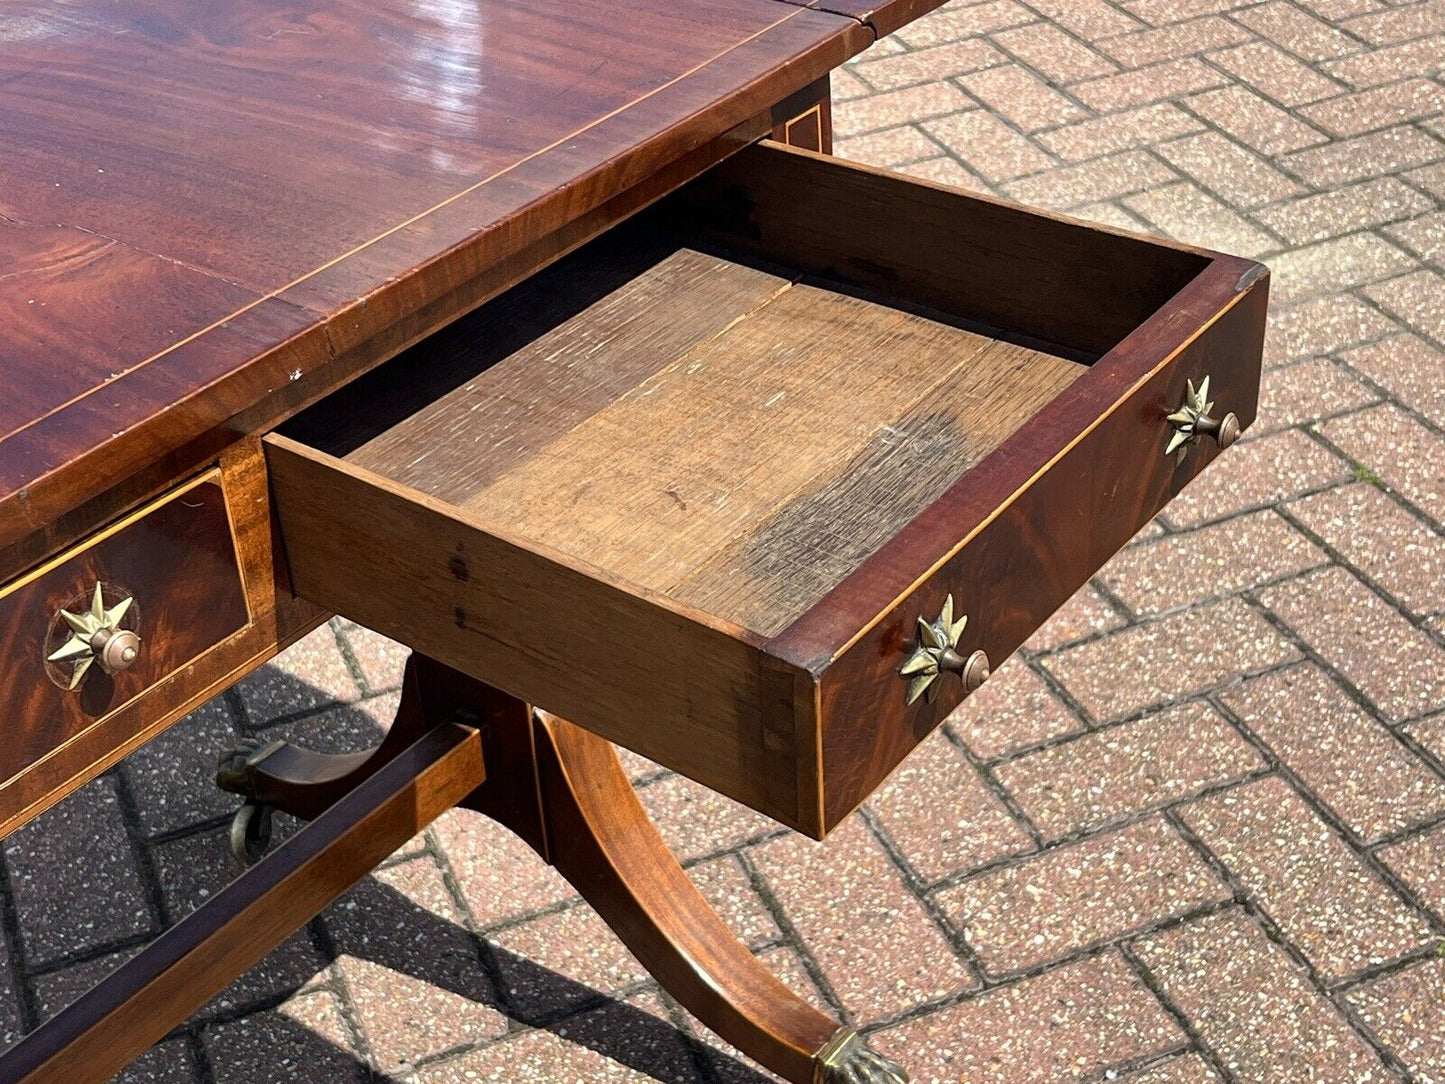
{"x":601,"y":839}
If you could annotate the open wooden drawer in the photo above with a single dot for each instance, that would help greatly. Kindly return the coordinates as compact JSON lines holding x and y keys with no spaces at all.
{"x":694,"y":486}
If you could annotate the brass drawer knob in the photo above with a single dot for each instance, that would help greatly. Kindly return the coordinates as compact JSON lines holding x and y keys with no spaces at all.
{"x":1193,"y":420}
{"x":937,"y":652}
{"x":96,"y":638}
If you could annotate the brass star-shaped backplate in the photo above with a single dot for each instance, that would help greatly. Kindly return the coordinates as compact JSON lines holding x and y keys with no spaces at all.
{"x":81,"y":647}
{"x":1186,"y":420}
{"x":937,"y":644}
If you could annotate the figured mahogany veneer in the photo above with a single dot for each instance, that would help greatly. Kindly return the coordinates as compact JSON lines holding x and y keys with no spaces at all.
{"x":177,"y":560}
{"x":68,"y":289}
{"x":210,"y":604}
{"x":694,"y":486}
{"x":211,"y":215}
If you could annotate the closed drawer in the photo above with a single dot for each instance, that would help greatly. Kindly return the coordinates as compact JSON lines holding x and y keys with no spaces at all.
{"x":169,"y":590}
{"x":707,"y":485}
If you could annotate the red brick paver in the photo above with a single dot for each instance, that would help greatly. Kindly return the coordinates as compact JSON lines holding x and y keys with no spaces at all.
{"x":1102,"y":777}
{"x":1194,"y":833}
{"x":1022,"y":915}
{"x":1066,"y":1024}
{"x":1330,"y":904}
{"x":1407,"y":1011}
{"x":1254,"y":1007}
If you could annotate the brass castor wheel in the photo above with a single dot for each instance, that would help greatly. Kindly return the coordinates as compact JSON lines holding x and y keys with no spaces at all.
{"x":251,"y":832}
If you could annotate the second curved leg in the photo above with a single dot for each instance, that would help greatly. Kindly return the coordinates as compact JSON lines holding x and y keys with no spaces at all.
{"x":303,"y":782}
{"x":601,"y":839}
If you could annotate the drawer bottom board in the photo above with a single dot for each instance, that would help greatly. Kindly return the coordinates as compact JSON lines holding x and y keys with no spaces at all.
{"x":727,"y":435}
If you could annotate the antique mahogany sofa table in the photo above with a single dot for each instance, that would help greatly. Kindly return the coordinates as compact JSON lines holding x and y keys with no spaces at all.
{"x":546,"y":338}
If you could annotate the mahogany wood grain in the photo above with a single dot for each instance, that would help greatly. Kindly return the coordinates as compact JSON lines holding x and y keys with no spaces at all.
{"x":347,"y":169}
{"x":139,"y":1002}
{"x":191,"y":597}
{"x":65,"y":291}
{"x":882,"y":17}
{"x":177,"y":561}
{"x":304,"y":783}
{"x":1030,"y":537}
{"x":805,"y":119}
{"x":1031,"y":275}
{"x":253,"y":398}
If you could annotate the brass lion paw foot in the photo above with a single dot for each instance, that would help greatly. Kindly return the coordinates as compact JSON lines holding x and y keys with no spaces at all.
{"x":848,"y":1059}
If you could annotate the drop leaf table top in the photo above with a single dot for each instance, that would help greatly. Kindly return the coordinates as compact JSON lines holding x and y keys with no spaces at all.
{"x":201,"y":205}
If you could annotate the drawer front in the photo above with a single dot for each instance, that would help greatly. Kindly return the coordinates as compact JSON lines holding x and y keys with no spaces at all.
{"x":170,"y":590}
{"x":1039,"y":540}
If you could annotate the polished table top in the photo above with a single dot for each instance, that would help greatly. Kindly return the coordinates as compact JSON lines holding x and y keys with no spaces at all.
{"x":201,"y":207}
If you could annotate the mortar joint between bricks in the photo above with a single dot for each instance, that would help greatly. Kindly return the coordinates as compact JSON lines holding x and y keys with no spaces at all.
{"x":140,"y":852}
{"x":1142,"y":1063}
{"x":482,"y":949}
{"x":1155,"y":987}
{"x":1325,"y":442}
{"x":1100,"y":947}
{"x":1339,"y":560}
{"x":1428,"y":336}
{"x":997,"y":789}
{"x":1062,"y":692}
{"x":1351,"y":691}
{"x":793,"y":937}
{"x":915,"y":886}
{"x":1332,"y":820}
{"x":350,"y":661}
{"x":1092,"y":831}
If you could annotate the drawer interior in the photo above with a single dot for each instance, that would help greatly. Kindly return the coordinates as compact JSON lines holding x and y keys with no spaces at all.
{"x":733,"y":435}
{"x":735,"y":417}
{"x":694,"y":485}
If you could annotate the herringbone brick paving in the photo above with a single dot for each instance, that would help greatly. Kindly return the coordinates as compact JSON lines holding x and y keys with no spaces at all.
{"x":1194,"y":832}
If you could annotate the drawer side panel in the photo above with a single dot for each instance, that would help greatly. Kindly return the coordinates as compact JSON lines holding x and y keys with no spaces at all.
{"x":995,"y":265}
{"x":625,"y":664}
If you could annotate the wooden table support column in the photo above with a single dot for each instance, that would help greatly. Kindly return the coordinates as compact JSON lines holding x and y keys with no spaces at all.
{"x":602,"y":840}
